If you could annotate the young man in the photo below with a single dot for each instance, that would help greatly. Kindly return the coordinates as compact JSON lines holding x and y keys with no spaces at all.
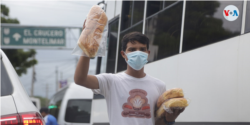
{"x":131,"y":96}
{"x":49,"y":119}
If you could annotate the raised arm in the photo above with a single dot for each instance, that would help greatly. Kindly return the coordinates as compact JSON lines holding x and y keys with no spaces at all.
{"x":81,"y":73}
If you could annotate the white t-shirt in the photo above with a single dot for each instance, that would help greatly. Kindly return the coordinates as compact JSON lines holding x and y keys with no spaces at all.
{"x":130,"y":100}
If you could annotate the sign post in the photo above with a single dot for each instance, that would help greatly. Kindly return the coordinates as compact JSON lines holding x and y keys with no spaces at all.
{"x":26,"y":37}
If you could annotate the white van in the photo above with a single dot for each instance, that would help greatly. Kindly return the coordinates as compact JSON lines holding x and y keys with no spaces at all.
{"x":77,"y":105}
{"x":36,"y":102}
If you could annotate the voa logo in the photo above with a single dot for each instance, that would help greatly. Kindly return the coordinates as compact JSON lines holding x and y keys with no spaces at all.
{"x":231,"y":13}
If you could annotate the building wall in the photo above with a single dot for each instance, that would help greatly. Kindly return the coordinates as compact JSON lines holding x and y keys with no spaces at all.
{"x":214,"y":79}
{"x":214,"y":75}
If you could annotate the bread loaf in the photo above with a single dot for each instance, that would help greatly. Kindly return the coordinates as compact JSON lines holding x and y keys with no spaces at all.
{"x":172,"y":93}
{"x":91,"y":36}
{"x":172,"y":103}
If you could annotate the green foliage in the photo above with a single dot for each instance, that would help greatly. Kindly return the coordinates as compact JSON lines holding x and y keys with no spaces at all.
{"x":4,"y":20}
{"x":21,"y":60}
{"x":43,"y":101}
{"x":5,"y":14}
{"x":4,"y":10}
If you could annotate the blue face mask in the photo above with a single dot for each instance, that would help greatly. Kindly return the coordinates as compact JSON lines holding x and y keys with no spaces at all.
{"x":137,"y":59}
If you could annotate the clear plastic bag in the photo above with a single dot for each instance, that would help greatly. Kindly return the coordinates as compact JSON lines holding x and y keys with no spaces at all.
{"x":169,"y":109}
{"x":92,"y":41}
{"x":171,"y":104}
{"x":171,"y":93}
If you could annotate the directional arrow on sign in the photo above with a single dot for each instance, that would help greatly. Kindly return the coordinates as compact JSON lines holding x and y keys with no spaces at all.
{"x":16,"y":36}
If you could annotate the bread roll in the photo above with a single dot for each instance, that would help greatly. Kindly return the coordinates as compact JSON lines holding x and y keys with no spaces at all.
{"x":172,"y":93}
{"x":90,"y":38}
{"x":172,"y":103}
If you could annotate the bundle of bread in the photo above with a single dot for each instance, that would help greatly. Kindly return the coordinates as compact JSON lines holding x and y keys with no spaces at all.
{"x":91,"y":36}
{"x":170,"y":99}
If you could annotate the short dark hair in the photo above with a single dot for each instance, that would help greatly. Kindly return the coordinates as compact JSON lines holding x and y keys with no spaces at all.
{"x":44,"y":109}
{"x":132,"y":37}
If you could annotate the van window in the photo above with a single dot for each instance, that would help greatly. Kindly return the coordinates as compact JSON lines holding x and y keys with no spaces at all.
{"x":55,"y":103}
{"x":6,"y":86}
{"x":78,"y":111}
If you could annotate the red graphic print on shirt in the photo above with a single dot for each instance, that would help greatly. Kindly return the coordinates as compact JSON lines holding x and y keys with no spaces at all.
{"x":136,"y":105}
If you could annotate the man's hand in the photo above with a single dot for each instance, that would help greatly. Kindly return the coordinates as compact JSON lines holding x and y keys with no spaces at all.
{"x":170,"y":117}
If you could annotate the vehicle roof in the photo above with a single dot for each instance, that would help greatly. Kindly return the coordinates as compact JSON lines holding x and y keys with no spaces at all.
{"x":75,"y":91}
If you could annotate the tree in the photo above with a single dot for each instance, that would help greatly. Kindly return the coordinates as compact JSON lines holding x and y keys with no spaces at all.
{"x":20,"y":59}
{"x":5,"y":14}
{"x":44,"y":101}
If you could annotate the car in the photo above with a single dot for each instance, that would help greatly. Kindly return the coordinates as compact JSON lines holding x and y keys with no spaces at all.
{"x":36,"y":102}
{"x":74,"y":105}
{"x":16,"y":106}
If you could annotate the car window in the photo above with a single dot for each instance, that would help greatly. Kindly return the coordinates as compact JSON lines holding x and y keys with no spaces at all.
{"x":6,"y":86}
{"x":78,"y":111}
